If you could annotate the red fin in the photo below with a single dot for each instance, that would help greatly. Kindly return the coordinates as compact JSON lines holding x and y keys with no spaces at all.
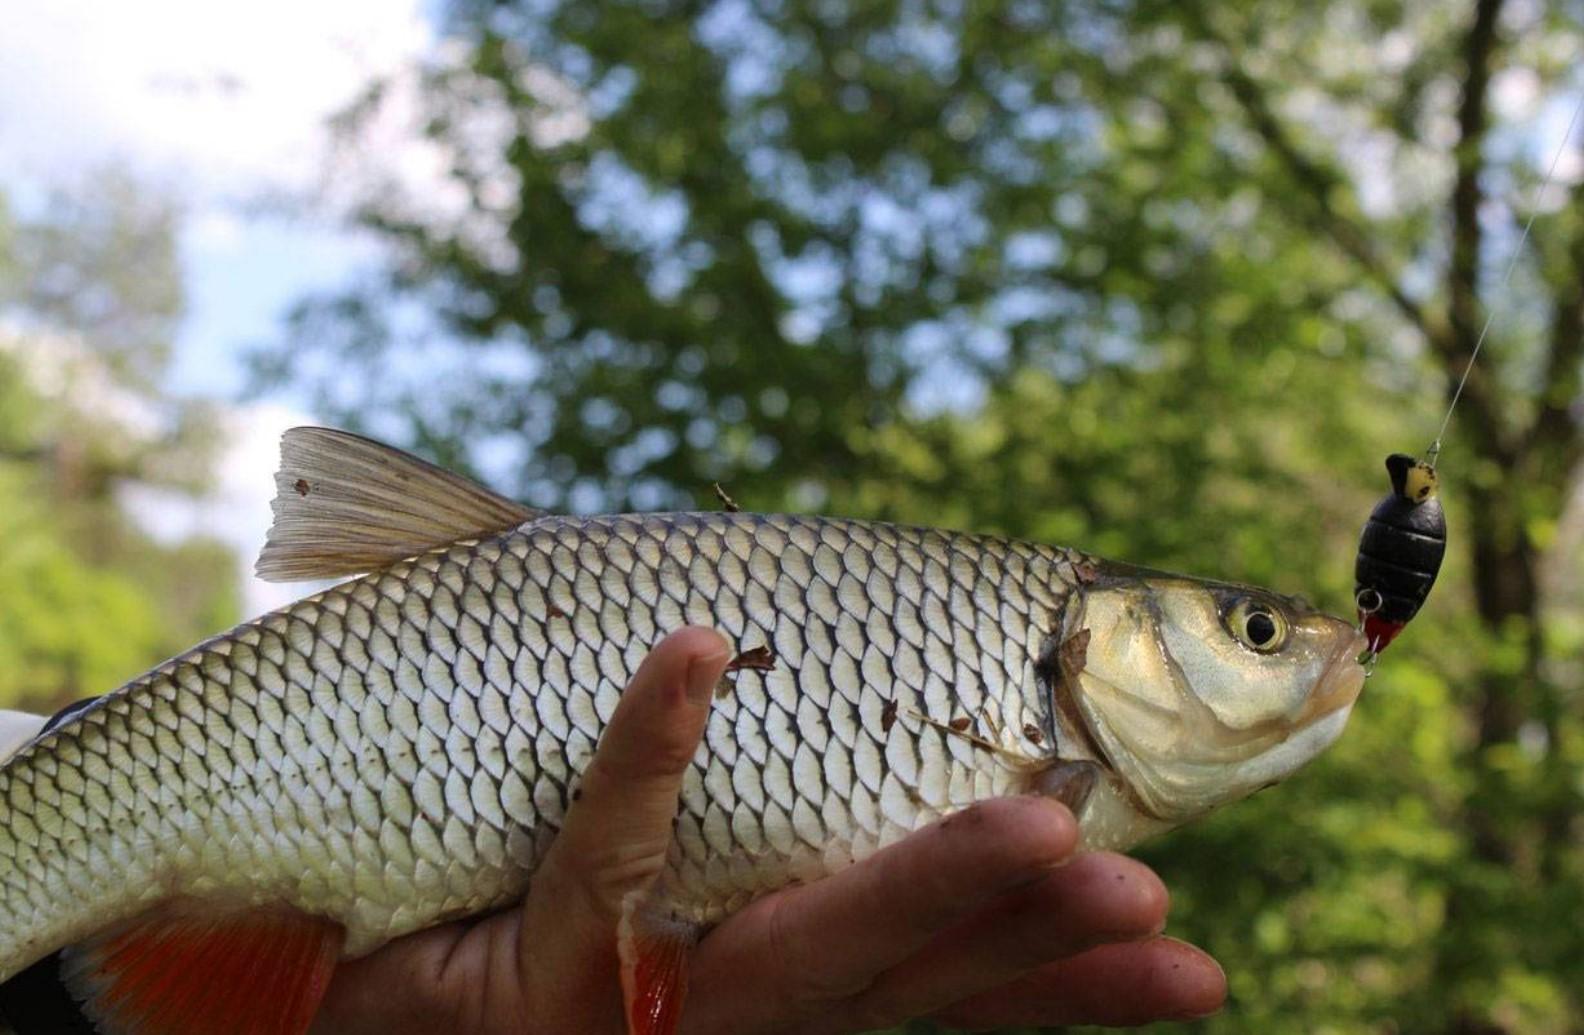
{"x":183,"y":969}
{"x":654,"y":969}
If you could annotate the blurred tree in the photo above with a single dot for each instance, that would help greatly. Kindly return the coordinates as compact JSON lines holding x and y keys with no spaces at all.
{"x":1160,"y":279}
{"x":100,"y":260}
{"x":89,"y":296}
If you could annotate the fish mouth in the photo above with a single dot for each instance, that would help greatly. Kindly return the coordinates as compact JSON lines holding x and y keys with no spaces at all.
{"x":1340,"y":684}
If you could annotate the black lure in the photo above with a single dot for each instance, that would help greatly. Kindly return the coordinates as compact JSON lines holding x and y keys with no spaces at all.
{"x":1400,"y":551}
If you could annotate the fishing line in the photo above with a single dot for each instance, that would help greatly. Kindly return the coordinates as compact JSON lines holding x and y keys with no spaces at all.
{"x":1434,"y":452}
{"x":1403,"y":542}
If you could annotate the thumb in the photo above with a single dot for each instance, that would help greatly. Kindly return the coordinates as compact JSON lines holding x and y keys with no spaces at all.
{"x":618,"y":832}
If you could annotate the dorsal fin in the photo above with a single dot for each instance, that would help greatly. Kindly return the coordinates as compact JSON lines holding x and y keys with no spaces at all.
{"x":345,"y":504}
{"x":16,"y":730}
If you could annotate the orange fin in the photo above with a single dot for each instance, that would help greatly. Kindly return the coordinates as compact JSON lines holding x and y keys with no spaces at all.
{"x":654,"y":968}
{"x":183,"y":969}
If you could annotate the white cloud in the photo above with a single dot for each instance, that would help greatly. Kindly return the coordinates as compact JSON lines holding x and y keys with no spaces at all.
{"x":236,"y":509}
{"x":216,"y":231}
{"x":225,"y":98}
{"x":224,"y":104}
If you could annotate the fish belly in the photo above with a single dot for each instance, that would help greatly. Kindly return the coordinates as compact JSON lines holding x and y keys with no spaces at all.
{"x":401,"y":749}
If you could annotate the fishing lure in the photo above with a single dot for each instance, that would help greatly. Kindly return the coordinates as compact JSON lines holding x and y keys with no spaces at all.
{"x":1404,"y":540}
{"x":1400,"y":551}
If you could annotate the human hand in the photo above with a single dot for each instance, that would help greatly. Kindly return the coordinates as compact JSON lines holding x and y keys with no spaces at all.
{"x":984,"y":919}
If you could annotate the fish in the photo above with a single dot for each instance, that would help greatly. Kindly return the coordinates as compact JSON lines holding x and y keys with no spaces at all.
{"x":400,"y":749}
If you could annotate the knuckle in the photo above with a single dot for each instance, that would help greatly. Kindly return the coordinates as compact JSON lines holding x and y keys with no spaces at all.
{"x":600,"y":875}
{"x":661,"y":757}
{"x":612,"y":778}
{"x":1129,"y":894}
{"x":1015,"y":835}
{"x":613,"y":873}
{"x":1154,"y":899}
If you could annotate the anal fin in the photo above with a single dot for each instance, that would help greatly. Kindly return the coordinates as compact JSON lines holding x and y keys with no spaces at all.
{"x":1070,"y":783}
{"x":654,"y":951}
{"x":184,"y":969}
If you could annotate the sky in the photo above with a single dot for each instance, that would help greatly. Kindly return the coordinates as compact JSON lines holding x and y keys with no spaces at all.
{"x":225,"y":106}
{"x":222,"y":104}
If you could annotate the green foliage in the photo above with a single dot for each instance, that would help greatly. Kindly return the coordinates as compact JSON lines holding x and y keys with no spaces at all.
{"x":79,"y":618}
{"x":53,"y":631}
{"x":99,"y":263}
{"x":1162,"y":280}
{"x":87,"y":599}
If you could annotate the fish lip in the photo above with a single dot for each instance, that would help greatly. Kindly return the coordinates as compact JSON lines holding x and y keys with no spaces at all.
{"x":1341,"y":682}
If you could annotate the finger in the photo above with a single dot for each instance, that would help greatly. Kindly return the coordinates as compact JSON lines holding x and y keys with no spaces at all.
{"x":792,"y":954}
{"x":438,"y":972}
{"x":1119,"y":984}
{"x":621,"y":826}
{"x":1093,"y":900}
{"x":617,"y":833}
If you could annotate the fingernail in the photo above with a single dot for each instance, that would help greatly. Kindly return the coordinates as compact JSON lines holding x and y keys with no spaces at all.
{"x":1213,"y":1003}
{"x":1199,"y":1013}
{"x":702,"y":675}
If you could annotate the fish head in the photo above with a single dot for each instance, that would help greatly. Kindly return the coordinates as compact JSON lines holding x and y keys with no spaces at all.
{"x":1199,"y":693}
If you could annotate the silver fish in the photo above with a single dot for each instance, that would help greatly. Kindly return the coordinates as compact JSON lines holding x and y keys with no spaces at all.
{"x":401,"y":749}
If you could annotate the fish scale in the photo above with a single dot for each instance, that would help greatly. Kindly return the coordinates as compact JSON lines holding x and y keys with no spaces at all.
{"x":402,"y":748}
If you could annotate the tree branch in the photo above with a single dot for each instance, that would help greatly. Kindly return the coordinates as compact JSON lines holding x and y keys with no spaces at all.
{"x":1467,"y":194}
{"x":1321,"y":183}
{"x":1554,"y":427}
{"x":1456,"y":348}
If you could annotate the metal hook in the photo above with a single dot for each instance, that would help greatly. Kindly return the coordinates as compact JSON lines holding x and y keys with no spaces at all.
{"x":1368,"y":600}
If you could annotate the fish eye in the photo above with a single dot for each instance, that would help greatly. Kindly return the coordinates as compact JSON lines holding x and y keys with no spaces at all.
{"x":1257,"y":626}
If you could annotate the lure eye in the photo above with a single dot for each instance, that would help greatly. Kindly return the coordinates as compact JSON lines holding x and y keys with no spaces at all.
{"x":1257,"y":626}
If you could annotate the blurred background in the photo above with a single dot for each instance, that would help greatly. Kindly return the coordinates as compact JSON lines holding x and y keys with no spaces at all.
{"x":1161,"y":280}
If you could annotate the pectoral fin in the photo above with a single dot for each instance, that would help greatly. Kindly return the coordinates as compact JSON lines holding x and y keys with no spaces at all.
{"x":1070,"y":783}
{"x":654,"y":950}
{"x":187,"y":969}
